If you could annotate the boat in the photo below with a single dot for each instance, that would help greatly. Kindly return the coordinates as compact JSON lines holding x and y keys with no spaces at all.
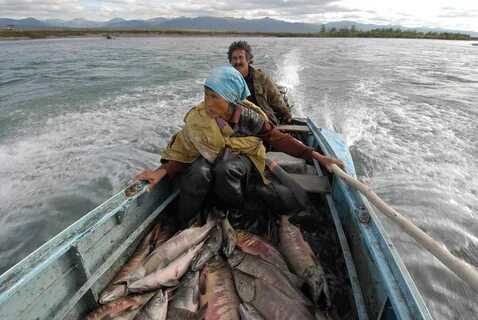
{"x":64,"y":277}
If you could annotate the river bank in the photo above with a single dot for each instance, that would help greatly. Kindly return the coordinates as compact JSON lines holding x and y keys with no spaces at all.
{"x":27,"y":34}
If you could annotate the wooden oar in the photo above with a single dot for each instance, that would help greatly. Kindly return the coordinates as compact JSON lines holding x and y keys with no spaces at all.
{"x":462,"y":269}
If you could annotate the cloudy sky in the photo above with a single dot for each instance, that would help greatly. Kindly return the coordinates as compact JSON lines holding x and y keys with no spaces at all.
{"x":456,"y":14}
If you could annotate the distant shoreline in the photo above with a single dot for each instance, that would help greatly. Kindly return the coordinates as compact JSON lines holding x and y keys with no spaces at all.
{"x":29,"y":34}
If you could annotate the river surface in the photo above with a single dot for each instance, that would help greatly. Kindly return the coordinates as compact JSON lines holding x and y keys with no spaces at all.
{"x":79,"y":117}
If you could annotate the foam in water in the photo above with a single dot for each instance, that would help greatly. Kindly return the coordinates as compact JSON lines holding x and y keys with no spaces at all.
{"x":72,"y":162}
{"x":289,"y":76}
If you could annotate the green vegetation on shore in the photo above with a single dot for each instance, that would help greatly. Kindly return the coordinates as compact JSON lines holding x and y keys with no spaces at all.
{"x":324,"y":33}
{"x":391,"y":33}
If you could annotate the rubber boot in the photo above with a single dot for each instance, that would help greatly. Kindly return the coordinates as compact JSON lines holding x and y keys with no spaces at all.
{"x":194,"y":186}
{"x":231,"y":178}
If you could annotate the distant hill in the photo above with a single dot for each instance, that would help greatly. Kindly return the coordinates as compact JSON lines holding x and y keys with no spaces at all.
{"x":23,"y":23}
{"x":207,"y":23}
{"x":242,"y":25}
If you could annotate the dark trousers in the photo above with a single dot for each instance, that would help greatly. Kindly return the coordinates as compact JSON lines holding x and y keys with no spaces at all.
{"x":228,"y":178}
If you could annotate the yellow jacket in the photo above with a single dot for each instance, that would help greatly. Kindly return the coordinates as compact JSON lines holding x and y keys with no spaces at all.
{"x":202,"y":136}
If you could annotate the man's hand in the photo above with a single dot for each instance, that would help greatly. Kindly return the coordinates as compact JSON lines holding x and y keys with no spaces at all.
{"x":152,"y":177}
{"x":327,"y":162}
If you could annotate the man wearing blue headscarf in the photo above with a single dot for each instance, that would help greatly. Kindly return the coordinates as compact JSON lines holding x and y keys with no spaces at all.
{"x":221,"y":149}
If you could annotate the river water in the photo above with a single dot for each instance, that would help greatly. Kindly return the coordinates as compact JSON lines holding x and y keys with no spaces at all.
{"x":79,"y":117}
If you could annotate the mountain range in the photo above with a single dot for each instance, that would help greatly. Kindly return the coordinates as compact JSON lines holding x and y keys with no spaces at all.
{"x":206,"y":23}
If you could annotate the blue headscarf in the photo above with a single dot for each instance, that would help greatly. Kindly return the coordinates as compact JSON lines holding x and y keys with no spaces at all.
{"x":228,"y":83}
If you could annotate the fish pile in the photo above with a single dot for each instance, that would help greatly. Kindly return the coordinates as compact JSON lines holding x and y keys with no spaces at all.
{"x":215,"y":272}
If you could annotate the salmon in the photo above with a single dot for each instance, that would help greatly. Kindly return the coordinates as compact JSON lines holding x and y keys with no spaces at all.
{"x":182,"y":314}
{"x":113,"y":292}
{"x":210,"y":249}
{"x":117,"y":287}
{"x":230,"y":238}
{"x":160,"y":235}
{"x":186,"y":296}
{"x":223,"y":302}
{"x":120,"y":306}
{"x":175,"y":246}
{"x":203,"y":287}
{"x":128,"y":315}
{"x":303,"y":261}
{"x":156,"y":308}
{"x":252,"y":244}
{"x":267,"y":272}
{"x":249,"y":312}
{"x":167,"y":276}
{"x":270,"y":302}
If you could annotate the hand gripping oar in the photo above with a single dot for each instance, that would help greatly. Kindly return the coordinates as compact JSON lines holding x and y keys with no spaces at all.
{"x":465,"y":271}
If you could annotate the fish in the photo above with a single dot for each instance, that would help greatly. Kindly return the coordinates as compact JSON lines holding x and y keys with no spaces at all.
{"x":303,"y":261}
{"x":249,"y":312}
{"x":167,"y":276}
{"x":122,"y":305}
{"x":160,"y":235}
{"x":210,"y":249}
{"x":177,"y":245}
{"x":253,"y":244}
{"x":156,"y":308}
{"x":270,"y":302}
{"x":182,"y":314}
{"x":186,"y":296}
{"x":267,"y":272}
{"x":113,"y":292}
{"x":128,"y":315}
{"x":117,"y":287}
{"x":230,"y":238}
{"x":319,"y":315}
{"x":203,"y":287}
{"x":223,"y":302}
{"x":171,"y":249}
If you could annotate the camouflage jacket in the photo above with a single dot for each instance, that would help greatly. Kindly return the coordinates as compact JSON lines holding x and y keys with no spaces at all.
{"x":268,"y":97}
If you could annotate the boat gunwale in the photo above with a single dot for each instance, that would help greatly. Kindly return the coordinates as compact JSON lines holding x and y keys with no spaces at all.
{"x":384,"y":252}
{"x":42,"y":257}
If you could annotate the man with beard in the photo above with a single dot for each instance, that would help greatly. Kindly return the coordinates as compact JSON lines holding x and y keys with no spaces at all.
{"x":264,"y":93}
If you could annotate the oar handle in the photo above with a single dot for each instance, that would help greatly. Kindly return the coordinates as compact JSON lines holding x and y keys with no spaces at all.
{"x":462,"y":269}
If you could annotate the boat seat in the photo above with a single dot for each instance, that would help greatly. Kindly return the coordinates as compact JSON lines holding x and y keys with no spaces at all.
{"x":312,"y":183}
{"x":293,"y":128}
{"x":299,"y":171}
{"x":288,"y":163}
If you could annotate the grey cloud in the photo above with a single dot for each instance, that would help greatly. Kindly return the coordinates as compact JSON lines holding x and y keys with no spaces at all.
{"x":39,"y":9}
{"x":141,"y":9}
{"x":453,"y":12}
